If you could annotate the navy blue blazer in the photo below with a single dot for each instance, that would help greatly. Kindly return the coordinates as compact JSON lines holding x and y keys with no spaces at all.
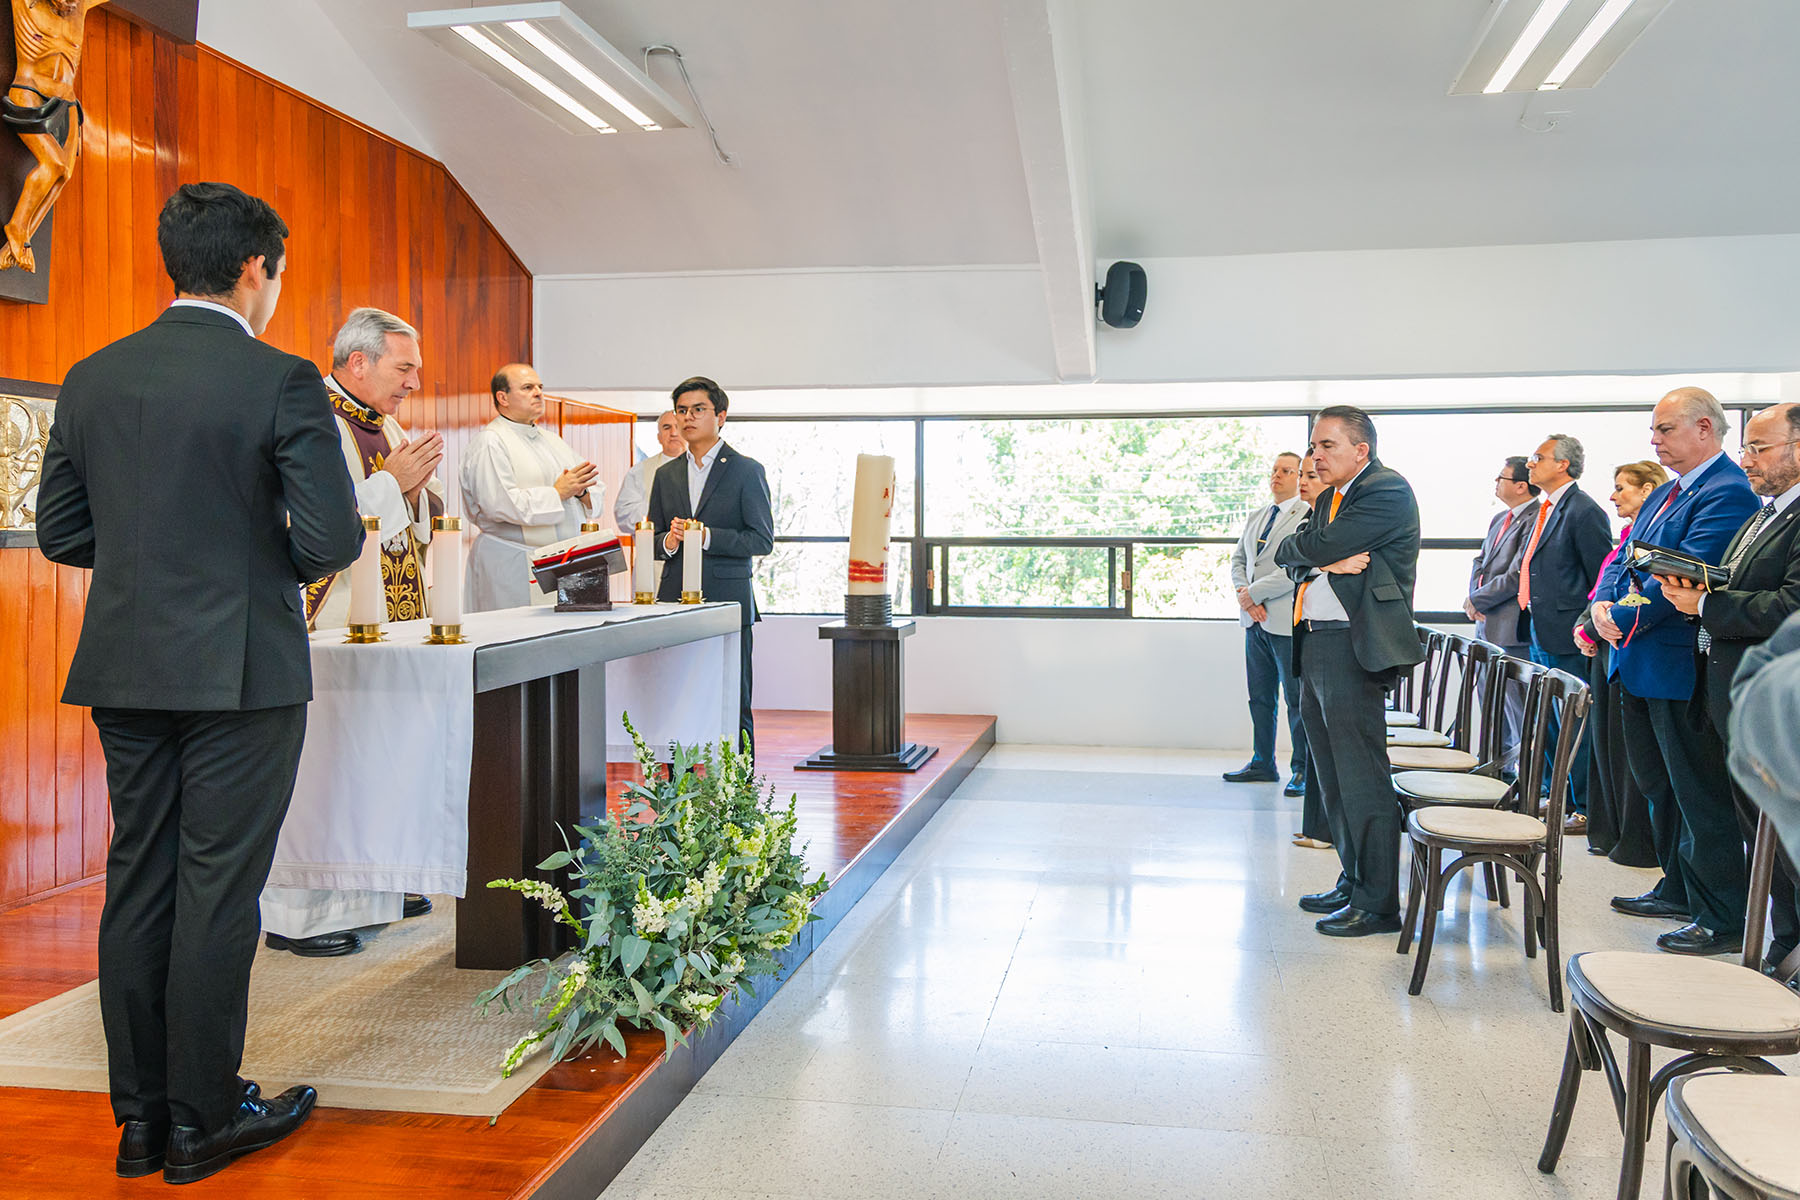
{"x":735,"y":508}
{"x":1657,"y":663}
{"x":1575,"y":541}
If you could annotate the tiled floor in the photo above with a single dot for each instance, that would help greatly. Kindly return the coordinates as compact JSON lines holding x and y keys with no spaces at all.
{"x":1087,"y":978}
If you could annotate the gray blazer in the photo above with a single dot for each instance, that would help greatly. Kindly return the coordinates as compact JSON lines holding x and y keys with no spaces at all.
{"x":1494,"y":579}
{"x":1257,"y":570}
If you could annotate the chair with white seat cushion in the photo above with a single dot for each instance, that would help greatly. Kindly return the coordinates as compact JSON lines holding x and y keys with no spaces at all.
{"x":1398,"y":718}
{"x":1528,"y":843}
{"x":1733,"y":1136}
{"x":1714,"y":1014}
{"x":1403,"y":736}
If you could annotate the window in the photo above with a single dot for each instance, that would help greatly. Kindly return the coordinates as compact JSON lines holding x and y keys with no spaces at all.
{"x":1129,"y":516}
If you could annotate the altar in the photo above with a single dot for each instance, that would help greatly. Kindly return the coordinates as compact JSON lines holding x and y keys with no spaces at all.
{"x":431,"y":768}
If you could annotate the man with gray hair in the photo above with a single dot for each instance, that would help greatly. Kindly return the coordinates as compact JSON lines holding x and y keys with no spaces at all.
{"x":1570,"y":537}
{"x":1680,"y":764}
{"x":375,"y":364}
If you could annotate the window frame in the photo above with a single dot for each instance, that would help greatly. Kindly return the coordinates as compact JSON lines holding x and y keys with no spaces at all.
{"x":929,"y":592}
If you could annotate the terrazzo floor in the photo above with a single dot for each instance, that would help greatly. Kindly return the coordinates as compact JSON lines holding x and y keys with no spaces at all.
{"x":1088,"y":978}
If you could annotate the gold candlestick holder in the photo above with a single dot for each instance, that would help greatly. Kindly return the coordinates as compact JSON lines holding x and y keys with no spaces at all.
{"x":364,"y":635}
{"x":446,"y":635}
{"x":590,"y":527}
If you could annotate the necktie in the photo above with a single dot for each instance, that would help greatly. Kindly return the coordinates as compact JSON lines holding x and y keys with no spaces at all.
{"x":1673,"y":493}
{"x":1507,"y":523}
{"x":1537,"y":531}
{"x":1262,"y":539}
{"x":1737,"y":556}
{"x":1337,"y":498}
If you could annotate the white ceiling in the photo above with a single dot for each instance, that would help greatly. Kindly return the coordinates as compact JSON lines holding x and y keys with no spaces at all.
{"x":876,"y":134}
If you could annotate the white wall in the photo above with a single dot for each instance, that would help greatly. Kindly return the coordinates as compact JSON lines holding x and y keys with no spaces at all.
{"x":793,"y":328}
{"x":1691,"y":304}
{"x":1067,"y":682}
{"x":1672,"y":306}
{"x":294,"y":42}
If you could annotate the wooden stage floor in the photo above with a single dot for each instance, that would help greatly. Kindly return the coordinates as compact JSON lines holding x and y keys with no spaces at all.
{"x":556,"y":1140}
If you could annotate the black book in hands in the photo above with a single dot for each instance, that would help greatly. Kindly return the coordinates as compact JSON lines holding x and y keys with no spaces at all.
{"x":1652,"y":559}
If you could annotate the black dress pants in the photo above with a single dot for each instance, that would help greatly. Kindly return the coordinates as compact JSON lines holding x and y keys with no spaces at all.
{"x":1644,"y":754}
{"x":197,"y":802}
{"x":1708,"y":846}
{"x":1343,"y":707}
{"x":1618,"y":813}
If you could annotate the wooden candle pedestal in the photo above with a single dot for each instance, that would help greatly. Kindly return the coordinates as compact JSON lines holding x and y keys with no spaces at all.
{"x":868,"y":701}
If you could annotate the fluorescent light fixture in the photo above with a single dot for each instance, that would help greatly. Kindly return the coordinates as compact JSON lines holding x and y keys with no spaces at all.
{"x":1530,"y":39}
{"x":551,"y":59}
{"x":1549,"y":45}
{"x":531,"y":78}
{"x":1599,"y":27}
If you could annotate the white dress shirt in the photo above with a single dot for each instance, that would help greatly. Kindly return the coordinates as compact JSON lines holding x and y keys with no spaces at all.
{"x":698,"y":471}
{"x":1322,"y":603}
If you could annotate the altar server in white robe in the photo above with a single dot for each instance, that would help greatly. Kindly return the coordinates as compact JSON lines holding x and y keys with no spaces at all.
{"x":633,"y":504}
{"x":375,"y":363}
{"x":523,"y":487}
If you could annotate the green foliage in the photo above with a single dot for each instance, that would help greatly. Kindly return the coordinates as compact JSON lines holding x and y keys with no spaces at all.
{"x":681,"y":899}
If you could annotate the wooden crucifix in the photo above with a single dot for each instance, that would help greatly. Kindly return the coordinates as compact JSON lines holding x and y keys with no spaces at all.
{"x":47,"y":37}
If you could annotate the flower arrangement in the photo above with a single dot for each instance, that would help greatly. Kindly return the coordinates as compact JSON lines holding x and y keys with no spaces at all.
{"x":680,"y":900}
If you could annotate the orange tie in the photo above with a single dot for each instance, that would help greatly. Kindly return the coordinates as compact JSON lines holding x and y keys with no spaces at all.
{"x":1530,"y":549}
{"x":1337,"y":498}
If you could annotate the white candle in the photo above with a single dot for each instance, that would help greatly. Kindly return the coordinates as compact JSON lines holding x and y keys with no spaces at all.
{"x":871,"y":516}
{"x":643,"y":559}
{"x":445,"y":601}
{"x":368,"y":595}
{"x":692,"y":545}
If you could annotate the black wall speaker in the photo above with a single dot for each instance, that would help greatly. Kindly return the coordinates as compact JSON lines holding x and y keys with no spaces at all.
{"x":1121,"y":297}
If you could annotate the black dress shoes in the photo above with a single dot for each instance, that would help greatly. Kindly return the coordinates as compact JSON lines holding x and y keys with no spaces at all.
{"x":1251,"y":773}
{"x":325,"y":945}
{"x":1295,"y":786}
{"x":415,"y":906}
{"x":1697,"y":939}
{"x":258,"y":1124}
{"x":1357,"y":922}
{"x":141,"y":1146}
{"x":1647,"y":905}
{"x":1325,"y":903}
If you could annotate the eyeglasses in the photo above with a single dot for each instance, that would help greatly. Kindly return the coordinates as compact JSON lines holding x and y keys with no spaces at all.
{"x":692,"y":410}
{"x":1756,"y":448}
{"x":1534,"y":460}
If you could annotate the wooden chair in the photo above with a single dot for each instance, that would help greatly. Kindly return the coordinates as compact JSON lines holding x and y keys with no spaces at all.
{"x":1412,"y":697}
{"x":1733,"y":1137}
{"x":1716,"y":1014}
{"x":1526,"y":842}
{"x":1460,"y":661}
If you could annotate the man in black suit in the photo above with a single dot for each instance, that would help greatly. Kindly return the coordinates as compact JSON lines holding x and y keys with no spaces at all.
{"x":1355,"y":559}
{"x":1570,"y":538}
{"x":1763,"y":591}
{"x":194,"y":658}
{"x":728,"y":494}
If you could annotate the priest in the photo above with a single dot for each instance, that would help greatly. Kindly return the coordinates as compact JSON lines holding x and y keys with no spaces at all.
{"x":633,"y":504}
{"x":375,"y":361}
{"x":523,"y":487}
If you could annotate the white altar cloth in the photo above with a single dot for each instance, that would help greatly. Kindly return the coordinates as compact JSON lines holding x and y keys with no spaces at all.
{"x":382,"y":797}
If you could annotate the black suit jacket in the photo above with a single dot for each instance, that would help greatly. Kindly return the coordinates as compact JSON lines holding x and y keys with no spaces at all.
{"x":1576,"y":539}
{"x":1379,"y":516}
{"x":199,"y":473}
{"x":734,"y":507}
{"x":1764,"y":592}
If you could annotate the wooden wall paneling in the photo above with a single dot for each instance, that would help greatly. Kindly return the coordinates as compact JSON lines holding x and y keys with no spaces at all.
{"x":15,"y":725}
{"x":40,"y":738}
{"x":371,"y":222}
{"x":71,"y":778}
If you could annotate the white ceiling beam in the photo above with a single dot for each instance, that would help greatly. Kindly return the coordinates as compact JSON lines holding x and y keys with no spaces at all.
{"x":1044,"y":75}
